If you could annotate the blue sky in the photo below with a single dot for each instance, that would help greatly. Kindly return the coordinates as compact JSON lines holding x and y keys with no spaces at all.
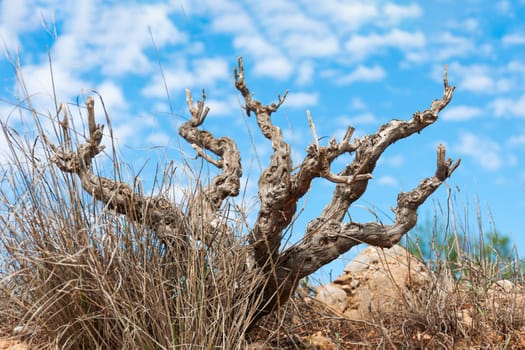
{"x":358,"y":63}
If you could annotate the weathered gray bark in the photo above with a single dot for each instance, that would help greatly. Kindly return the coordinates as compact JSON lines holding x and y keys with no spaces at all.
{"x":280,"y":188}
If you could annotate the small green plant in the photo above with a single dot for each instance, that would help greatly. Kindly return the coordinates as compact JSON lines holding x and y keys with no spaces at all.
{"x":439,"y":243}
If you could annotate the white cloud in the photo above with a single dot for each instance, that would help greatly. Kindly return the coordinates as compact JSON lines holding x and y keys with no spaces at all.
{"x":302,"y":99}
{"x":482,"y":78}
{"x":286,"y":17}
{"x":484,"y":151}
{"x":206,"y":73}
{"x":516,"y":66}
{"x":304,"y":45}
{"x":254,"y":45}
{"x":228,"y":106}
{"x":114,"y":38}
{"x":357,"y":103}
{"x":363,"y":74}
{"x":269,"y":61}
{"x":366,"y":118}
{"x":66,"y":85}
{"x":450,"y":45}
{"x":503,"y":6}
{"x":516,"y":140}
{"x":397,"y":13}
{"x":507,"y":107}
{"x":277,"y":67}
{"x":132,"y":131}
{"x":387,"y":180}
{"x":305,"y":73}
{"x":112,"y":95}
{"x":393,"y":161}
{"x":514,"y":39}
{"x":477,"y":83}
{"x":461,"y":113}
{"x":471,"y":24}
{"x":232,"y":22}
{"x":19,"y":17}
{"x":464,"y":24}
{"x":159,"y":139}
{"x":346,"y":16}
{"x":362,"y":46}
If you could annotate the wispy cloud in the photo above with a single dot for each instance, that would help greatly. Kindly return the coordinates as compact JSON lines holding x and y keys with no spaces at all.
{"x":449,"y":45}
{"x":513,"y":39}
{"x":16,"y":20}
{"x":484,"y":151}
{"x":387,"y":180}
{"x":366,"y":118}
{"x":395,"y":161}
{"x":277,"y":67}
{"x":518,"y":140}
{"x":363,"y":46}
{"x":396,"y":13}
{"x":508,"y":107}
{"x":461,"y":113}
{"x":302,"y":99}
{"x":199,"y":73}
{"x":363,"y":73}
{"x":225,"y":106}
{"x":483,"y":78}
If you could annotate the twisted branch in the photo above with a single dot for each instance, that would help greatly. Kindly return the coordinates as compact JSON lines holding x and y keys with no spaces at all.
{"x":204,"y":206}
{"x":154,"y":211}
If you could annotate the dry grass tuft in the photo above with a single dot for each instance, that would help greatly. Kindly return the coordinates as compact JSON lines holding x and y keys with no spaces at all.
{"x":76,"y":276}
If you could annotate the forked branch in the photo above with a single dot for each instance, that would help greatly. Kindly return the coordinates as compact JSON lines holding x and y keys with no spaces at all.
{"x":154,"y":211}
{"x":326,"y":239}
{"x":277,"y":205}
{"x":204,"y":206}
{"x":372,"y":146}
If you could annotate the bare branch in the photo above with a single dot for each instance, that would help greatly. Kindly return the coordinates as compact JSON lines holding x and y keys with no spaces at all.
{"x":277,"y":202}
{"x":155,"y":212}
{"x":204,"y":206}
{"x":279,"y":190}
{"x":312,"y":127}
{"x":80,"y":161}
{"x":371,"y":147}
{"x":326,"y":238}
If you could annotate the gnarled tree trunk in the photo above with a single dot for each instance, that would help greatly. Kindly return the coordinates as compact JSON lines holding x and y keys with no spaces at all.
{"x":280,"y":187}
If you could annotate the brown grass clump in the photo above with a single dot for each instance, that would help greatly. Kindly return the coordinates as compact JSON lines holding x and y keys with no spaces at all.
{"x":75,"y":276}
{"x":449,"y":315}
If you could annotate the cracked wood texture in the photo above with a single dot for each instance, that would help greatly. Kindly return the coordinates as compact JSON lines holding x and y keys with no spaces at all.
{"x":280,"y":187}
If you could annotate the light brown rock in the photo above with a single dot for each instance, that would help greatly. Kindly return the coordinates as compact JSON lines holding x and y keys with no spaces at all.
{"x":320,"y":342}
{"x":6,"y":344}
{"x":377,"y":280}
{"x":506,"y":298}
{"x":333,"y":296}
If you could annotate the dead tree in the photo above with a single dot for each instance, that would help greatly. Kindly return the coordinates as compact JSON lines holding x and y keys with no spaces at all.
{"x":280,"y":187}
